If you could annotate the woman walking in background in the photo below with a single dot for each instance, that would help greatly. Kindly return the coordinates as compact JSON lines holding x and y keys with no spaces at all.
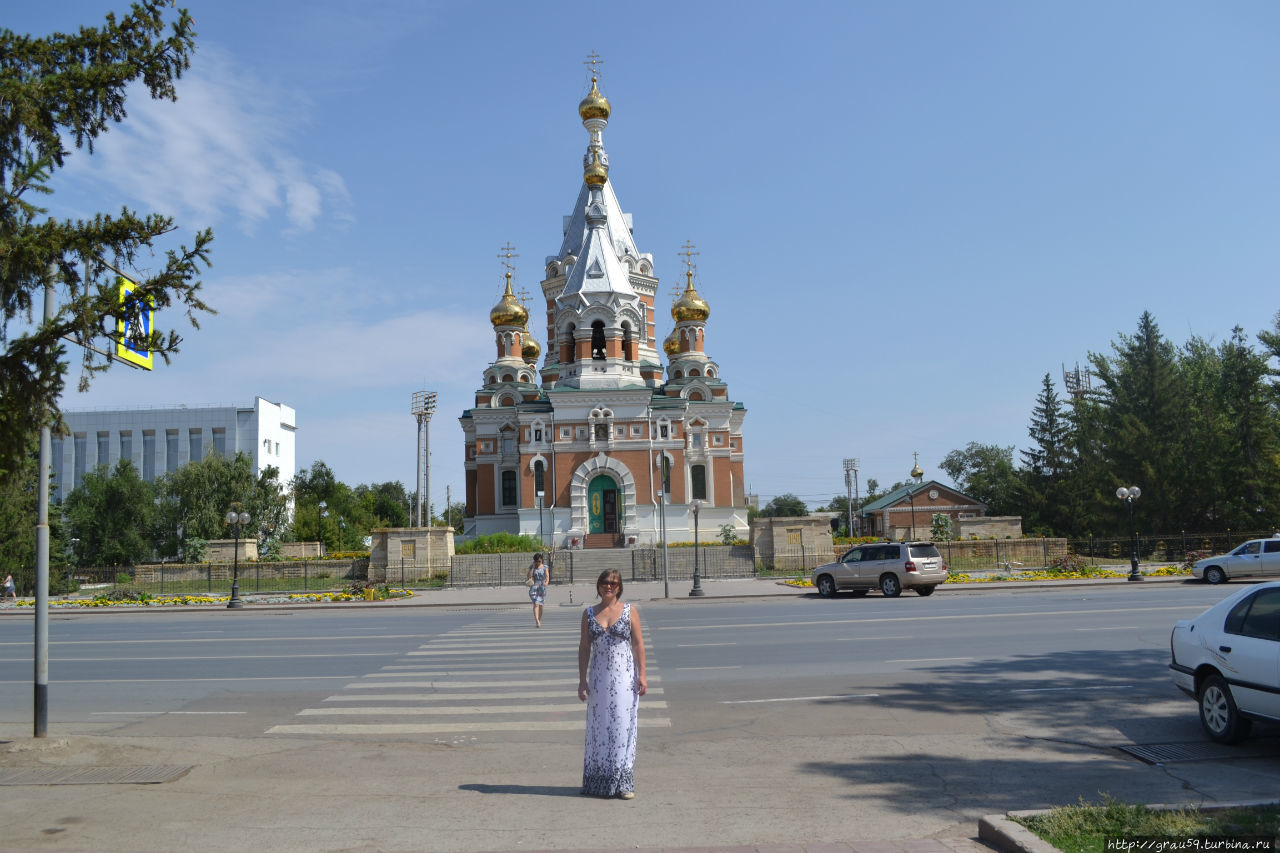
{"x":538,"y":578}
{"x":611,"y":681}
{"x":9,"y":590}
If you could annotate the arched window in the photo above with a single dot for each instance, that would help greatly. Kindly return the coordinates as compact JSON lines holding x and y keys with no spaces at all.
{"x":628,"y":345}
{"x":698,"y":476}
{"x":597,"y":340}
{"x":539,"y":478}
{"x":508,"y":488}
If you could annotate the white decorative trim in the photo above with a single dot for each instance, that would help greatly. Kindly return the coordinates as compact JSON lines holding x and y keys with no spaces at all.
{"x":582,"y":477}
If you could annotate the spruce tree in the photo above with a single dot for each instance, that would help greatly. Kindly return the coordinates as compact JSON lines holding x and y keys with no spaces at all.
{"x":70,"y":88}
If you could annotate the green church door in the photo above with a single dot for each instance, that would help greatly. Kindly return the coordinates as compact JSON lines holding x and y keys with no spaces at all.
{"x":602,"y":505}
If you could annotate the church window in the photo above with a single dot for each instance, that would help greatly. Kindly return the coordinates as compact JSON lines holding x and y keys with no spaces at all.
{"x":508,"y":488}
{"x":717,"y":439}
{"x":539,"y":478}
{"x":506,"y":377}
{"x":597,"y":340}
{"x":602,"y":432}
{"x":694,"y":372}
{"x":695,"y":395}
{"x":662,"y":431}
{"x":628,"y":345}
{"x":698,"y":476}
{"x":582,"y":432}
{"x":537,"y":434}
{"x":566,"y":432}
{"x":508,"y":444}
{"x":679,"y":374}
{"x":635,"y":431}
{"x":622,"y":432}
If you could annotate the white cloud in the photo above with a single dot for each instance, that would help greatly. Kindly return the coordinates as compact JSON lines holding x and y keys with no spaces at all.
{"x":222,"y":150}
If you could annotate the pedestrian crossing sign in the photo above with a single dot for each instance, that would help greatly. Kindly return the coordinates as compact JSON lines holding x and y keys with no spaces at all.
{"x":134,"y":325}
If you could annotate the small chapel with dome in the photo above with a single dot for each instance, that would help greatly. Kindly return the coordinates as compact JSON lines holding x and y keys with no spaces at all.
{"x":600,"y":446}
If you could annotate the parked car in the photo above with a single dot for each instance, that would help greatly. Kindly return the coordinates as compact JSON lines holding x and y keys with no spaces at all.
{"x":1228,"y":660}
{"x":887,"y":566}
{"x":1257,"y":558}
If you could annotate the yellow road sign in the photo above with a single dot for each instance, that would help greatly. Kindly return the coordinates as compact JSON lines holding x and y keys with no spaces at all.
{"x":134,"y":325}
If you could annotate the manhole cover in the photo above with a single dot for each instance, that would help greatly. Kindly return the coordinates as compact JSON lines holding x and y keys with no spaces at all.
{"x":1172,"y":753}
{"x":147,"y":774}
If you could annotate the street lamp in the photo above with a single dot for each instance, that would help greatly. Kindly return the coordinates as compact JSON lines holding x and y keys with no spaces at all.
{"x":321,"y":514}
{"x":1130,"y":495}
{"x":236,"y":520}
{"x":342,"y":532}
{"x":696,"y":506}
{"x":542,"y":533}
{"x":911,"y":497}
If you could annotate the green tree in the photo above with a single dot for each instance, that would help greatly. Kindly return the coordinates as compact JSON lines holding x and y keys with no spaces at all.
{"x":111,"y":514}
{"x":986,"y":472}
{"x":940,"y":528}
{"x":784,"y":506}
{"x":385,"y":504}
{"x":1249,"y":413}
{"x":195,"y":499}
{"x":1143,"y":423}
{"x":1046,"y":463}
{"x":69,"y":89}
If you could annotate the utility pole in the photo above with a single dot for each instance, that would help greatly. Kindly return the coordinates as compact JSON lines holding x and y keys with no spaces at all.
{"x":850,"y":477}
{"x":422,"y":406}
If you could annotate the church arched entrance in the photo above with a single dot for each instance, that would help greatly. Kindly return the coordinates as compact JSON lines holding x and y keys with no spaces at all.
{"x":602,"y":505}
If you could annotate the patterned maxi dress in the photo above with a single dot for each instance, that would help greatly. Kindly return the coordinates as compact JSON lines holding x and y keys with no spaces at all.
{"x":612,"y":705}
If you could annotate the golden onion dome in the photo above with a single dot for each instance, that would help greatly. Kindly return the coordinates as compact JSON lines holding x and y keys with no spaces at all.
{"x":508,"y":311}
{"x":671,"y":346}
{"x":917,"y":472}
{"x":531,"y":349}
{"x":691,"y":306}
{"x":594,"y":105}
{"x":596,"y":173}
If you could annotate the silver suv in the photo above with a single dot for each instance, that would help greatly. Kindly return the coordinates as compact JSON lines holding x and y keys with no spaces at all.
{"x":887,"y":566}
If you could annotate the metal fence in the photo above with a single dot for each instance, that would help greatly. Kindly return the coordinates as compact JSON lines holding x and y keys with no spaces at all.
{"x":1168,"y":549}
{"x":215,"y":578}
{"x":633,"y":564}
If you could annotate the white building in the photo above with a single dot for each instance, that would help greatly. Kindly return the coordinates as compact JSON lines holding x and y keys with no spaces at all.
{"x":161,"y":440}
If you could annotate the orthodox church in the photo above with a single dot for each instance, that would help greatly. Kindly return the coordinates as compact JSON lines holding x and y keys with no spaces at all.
{"x":600,"y":447}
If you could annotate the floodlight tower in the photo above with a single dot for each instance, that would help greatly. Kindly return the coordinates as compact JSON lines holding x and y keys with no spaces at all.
{"x":422,"y":406}
{"x":850,"y":479}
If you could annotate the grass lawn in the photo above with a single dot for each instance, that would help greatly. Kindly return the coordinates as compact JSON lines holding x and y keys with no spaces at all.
{"x":1085,"y":828}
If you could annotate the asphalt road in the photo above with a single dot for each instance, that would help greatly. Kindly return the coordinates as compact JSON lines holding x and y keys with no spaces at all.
{"x":769,"y":721}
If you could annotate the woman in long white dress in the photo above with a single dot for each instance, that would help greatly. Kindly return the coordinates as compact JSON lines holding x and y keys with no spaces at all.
{"x":611,"y":681}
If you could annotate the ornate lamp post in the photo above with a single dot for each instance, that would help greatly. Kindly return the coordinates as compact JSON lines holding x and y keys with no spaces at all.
{"x":236,"y":520}
{"x":850,"y":477}
{"x":1130,"y":495}
{"x":321,"y":514}
{"x":696,"y":507}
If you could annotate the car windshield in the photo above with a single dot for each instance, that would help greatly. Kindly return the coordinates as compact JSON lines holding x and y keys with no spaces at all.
{"x":924,"y":551}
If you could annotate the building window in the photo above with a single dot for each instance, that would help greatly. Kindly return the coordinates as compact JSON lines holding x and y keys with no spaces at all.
{"x":635,"y":430}
{"x":126,"y":444}
{"x":266,"y":446}
{"x":566,"y":432}
{"x":508,"y":444}
{"x":104,"y":448}
{"x":794,"y":536}
{"x":663,"y":431}
{"x":170,"y":450}
{"x":195,"y":445}
{"x":539,"y":477}
{"x":622,"y":432}
{"x":508,"y":488}
{"x":602,"y":432}
{"x":698,"y":474}
{"x":537,"y":435}
{"x":79,"y":441}
{"x":582,"y":432}
{"x":149,"y":455}
{"x":277,"y":448}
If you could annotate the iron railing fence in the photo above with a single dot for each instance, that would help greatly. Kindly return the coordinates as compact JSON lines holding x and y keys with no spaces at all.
{"x":634,"y":564}
{"x":216,"y":578}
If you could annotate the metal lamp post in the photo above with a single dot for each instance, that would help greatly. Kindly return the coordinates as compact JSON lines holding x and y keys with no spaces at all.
{"x":1130,"y":495}
{"x":911,"y":497}
{"x":542,"y":531}
{"x":236,"y":520}
{"x":342,"y":532}
{"x":322,"y":513}
{"x":696,"y":506}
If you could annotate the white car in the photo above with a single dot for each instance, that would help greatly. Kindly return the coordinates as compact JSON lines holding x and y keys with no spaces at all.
{"x":1257,"y":558}
{"x":1228,"y":660}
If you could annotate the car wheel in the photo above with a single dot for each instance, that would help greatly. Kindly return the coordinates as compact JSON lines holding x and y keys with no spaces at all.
{"x":1213,"y":574}
{"x":925,"y":590}
{"x":890,"y":586}
{"x":1218,"y":713}
{"x":826,"y":586}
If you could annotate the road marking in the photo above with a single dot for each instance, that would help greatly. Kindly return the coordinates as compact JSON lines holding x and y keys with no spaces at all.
{"x":525,"y":726}
{"x":463,"y":710}
{"x":161,"y":713}
{"x":702,"y":645}
{"x":690,"y":668}
{"x":222,"y":639}
{"x":1034,"y":614}
{"x":923,"y":660}
{"x":1064,"y":689}
{"x":801,"y":698}
{"x":1112,"y":628}
{"x":472,"y":685}
{"x":419,"y":671}
{"x":864,"y":639}
{"x":195,"y":680}
{"x":231,"y":657}
{"x":459,"y":697}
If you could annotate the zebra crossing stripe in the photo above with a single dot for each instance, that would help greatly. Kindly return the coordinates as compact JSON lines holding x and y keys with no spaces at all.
{"x":447,"y":728}
{"x":467,"y":711}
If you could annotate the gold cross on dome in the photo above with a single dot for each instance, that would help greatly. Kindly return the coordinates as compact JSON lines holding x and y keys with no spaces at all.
{"x":508,"y":252}
{"x":689,"y":254}
{"x":594,"y":60}
{"x":524,"y":296}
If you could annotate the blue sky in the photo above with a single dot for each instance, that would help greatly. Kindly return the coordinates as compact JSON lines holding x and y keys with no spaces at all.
{"x":907,"y":213}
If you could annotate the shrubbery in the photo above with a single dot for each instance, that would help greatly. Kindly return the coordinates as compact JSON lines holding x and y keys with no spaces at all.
{"x":501,"y":543}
